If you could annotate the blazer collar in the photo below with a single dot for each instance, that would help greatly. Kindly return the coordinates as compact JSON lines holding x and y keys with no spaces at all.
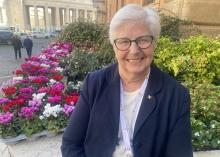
{"x":149,"y":99}
{"x":148,"y":104}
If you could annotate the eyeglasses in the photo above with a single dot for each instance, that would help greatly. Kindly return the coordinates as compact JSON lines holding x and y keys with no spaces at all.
{"x":142,"y":42}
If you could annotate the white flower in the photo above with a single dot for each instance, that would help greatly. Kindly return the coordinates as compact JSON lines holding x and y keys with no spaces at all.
{"x":52,"y":81}
{"x":38,"y":96}
{"x":51,"y":110}
{"x":59,"y":69}
{"x":45,"y":65}
{"x":58,"y":51}
{"x":213,"y":126}
{"x":17,"y":78}
{"x":42,"y":56}
{"x":197,"y":134}
{"x":41,"y":117}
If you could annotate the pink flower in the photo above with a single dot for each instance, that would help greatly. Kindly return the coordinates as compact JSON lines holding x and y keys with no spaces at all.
{"x":67,"y":109}
{"x":55,"y":99}
{"x":27,"y":90}
{"x":27,"y":112}
{"x":6,"y":118}
{"x":44,"y":90}
{"x":4,"y":100}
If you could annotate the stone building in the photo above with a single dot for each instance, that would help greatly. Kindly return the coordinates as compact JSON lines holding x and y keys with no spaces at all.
{"x":204,"y":13}
{"x":49,"y":15}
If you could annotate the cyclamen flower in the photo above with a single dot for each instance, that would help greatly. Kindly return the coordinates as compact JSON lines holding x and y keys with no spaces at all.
{"x":52,"y":81}
{"x":4,"y":100}
{"x":24,"y":96}
{"x":38,"y":96}
{"x":35,"y":103}
{"x":27,"y":90}
{"x":59,"y":69}
{"x":55,"y":99}
{"x":71,"y":99}
{"x":51,"y":110}
{"x":39,"y":79}
{"x":58,"y":86}
{"x":42,"y":56}
{"x":18,"y":72}
{"x":44,"y":90}
{"x":68,"y":109}
{"x":27,"y":112}
{"x":9,"y":91}
{"x":43,"y":71}
{"x":6,"y":118}
{"x":17,"y":78}
{"x":45,"y":65}
{"x":57,"y":77}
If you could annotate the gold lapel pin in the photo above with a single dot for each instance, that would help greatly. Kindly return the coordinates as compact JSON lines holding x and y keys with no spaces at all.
{"x":149,"y":97}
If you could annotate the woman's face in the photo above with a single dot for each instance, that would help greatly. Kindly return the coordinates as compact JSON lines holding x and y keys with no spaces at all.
{"x":134,"y":60}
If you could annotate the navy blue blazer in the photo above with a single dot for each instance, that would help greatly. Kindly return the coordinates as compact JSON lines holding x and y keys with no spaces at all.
{"x":162,"y":128}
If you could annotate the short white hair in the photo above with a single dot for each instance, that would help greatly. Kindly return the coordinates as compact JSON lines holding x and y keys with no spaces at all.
{"x":135,"y":12}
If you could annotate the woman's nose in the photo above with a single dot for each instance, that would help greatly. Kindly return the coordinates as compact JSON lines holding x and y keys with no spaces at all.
{"x":134,"y":48}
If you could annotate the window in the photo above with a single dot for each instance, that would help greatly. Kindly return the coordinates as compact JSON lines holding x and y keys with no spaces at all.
{"x":81,"y":15}
{"x":73,"y":15}
{"x":89,"y":15}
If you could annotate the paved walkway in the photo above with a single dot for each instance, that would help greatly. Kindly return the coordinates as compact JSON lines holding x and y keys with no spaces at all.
{"x":50,"y":147}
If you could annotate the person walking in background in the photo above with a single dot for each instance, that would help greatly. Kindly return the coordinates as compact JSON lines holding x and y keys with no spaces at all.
{"x":28,"y":44}
{"x":16,"y":42}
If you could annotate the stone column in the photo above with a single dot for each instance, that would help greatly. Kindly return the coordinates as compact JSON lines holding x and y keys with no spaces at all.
{"x":24,"y":11}
{"x":47,"y":23}
{"x":67,"y":17}
{"x":57,"y":18}
{"x":36,"y":19}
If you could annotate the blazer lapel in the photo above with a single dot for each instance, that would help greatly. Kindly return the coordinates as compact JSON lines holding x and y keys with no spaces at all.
{"x":112,"y":97}
{"x":149,"y":100}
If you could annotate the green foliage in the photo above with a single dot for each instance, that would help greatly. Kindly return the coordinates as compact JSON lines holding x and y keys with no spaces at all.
{"x":175,"y":28}
{"x":79,"y":63}
{"x":84,"y":35}
{"x":194,"y":59}
{"x":205,"y":116}
{"x":30,"y":127}
{"x":55,"y":124}
{"x":11,"y":129}
{"x":92,"y":48}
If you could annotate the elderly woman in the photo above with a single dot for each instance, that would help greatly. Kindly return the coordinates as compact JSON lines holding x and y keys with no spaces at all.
{"x":131,"y":108}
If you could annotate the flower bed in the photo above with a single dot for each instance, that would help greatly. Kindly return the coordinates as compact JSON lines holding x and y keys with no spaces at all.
{"x":37,"y":98}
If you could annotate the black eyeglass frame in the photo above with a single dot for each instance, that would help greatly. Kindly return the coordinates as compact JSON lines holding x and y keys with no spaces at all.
{"x":136,"y":41}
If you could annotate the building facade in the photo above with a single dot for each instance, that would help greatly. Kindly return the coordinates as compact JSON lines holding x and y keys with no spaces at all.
{"x":3,"y":14}
{"x":204,"y":13}
{"x":51,"y":15}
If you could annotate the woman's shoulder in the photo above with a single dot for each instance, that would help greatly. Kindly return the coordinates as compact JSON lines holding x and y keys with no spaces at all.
{"x":169,"y":81}
{"x":105,"y":73}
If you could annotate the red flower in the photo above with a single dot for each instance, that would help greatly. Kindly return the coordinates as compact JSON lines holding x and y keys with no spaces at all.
{"x":8,"y":106}
{"x":20,"y":102}
{"x":18,"y":72}
{"x":57,"y":77}
{"x":9,"y":91}
{"x":70,"y":99}
{"x":55,"y":92}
